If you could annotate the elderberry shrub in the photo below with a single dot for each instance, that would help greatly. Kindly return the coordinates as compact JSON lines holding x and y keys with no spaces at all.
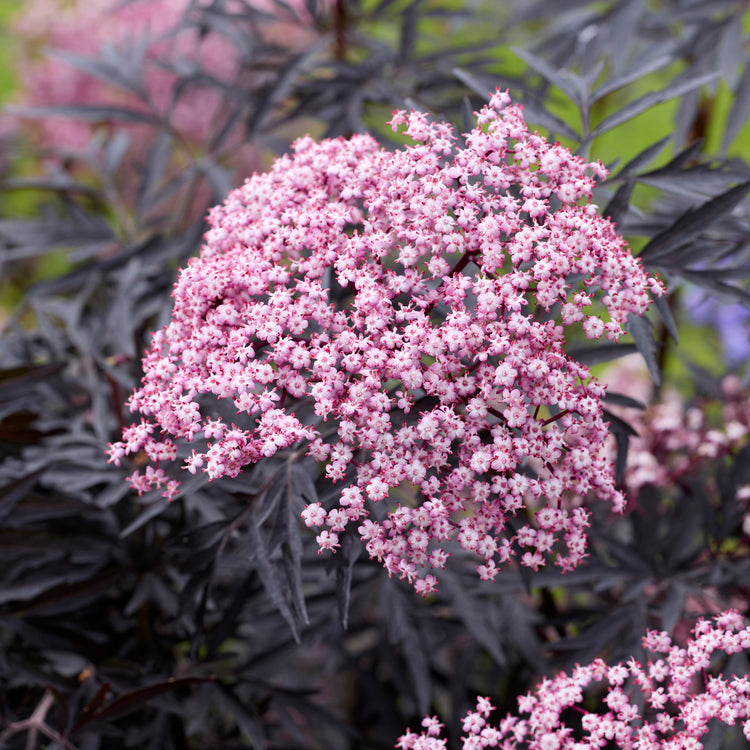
{"x":213,"y":621}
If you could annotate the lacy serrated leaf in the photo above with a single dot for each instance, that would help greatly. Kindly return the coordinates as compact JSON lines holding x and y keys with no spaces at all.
{"x":480,"y":85}
{"x":138,"y":699}
{"x":617,"y":424}
{"x":87,"y":112}
{"x":278,"y":580}
{"x":641,"y":330}
{"x":474,"y":612}
{"x":740,"y":111}
{"x":642,"y":159}
{"x":351,"y":549}
{"x":567,"y":81}
{"x":618,"y":204}
{"x":645,"y":102}
{"x":622,"y":441}
{"x":641,"y":70}
{"x":153,"y":172}
{"x":403,"y":631}
{"x":154,"y":510}
{"x":665,"y":312}
{"x":598,"y":353}
{"x":540,"y":115}
{"x":620,"y":399}
{"x":112,"y":67}
{"x":693,"y":221}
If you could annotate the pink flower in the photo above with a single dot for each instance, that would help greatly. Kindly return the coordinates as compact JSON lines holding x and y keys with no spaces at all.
{"x":696,"y":700}
{"x":678,"y":438}
{"x":491,"y":414}
{"x":87,"y":27}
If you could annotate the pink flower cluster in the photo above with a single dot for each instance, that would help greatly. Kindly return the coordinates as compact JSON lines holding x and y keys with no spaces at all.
{"x":418,"y":301}
{"x":666,"y":704}
{"x":677,"y":438}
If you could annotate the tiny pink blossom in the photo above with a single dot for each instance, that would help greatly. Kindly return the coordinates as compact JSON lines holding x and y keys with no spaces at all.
{"x":314,"y":515}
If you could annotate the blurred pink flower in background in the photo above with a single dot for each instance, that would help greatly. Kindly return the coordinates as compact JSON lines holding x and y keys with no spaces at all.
{"x":677,"y":438}
{"x":161,"y":61}
{"x":85,"y":28}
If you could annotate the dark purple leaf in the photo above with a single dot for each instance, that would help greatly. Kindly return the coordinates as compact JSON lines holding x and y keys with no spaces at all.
{"x":647,"y":101}
{"x":640,"y":328}
{"x":137,"y":700}
{"x":86,"y":112}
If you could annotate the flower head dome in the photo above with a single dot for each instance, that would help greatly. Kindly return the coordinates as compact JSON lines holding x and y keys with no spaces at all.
{"x":418,"y":300}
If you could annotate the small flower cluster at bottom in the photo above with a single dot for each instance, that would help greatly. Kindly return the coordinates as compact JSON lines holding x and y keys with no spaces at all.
{"x":678,"y":699}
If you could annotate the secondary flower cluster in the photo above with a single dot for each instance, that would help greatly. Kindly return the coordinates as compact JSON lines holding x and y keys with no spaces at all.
{"x":418,"y":302}
{"x":677,"y":438}
{"x":665,"y":704}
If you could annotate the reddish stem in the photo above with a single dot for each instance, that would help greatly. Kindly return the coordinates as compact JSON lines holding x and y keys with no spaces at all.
{"x":339,"y":26}
{"x":462,"y":263}
{"x":555,"y":418}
